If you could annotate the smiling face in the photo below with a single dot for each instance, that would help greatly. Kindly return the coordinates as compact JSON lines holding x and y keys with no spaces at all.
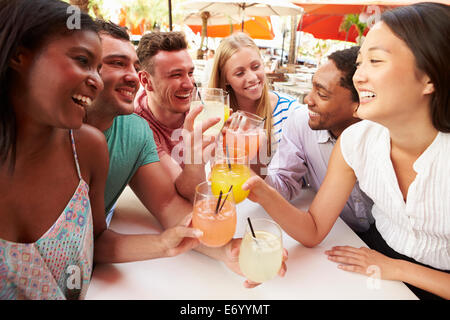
{"x":172,"y":82}
{"x":244,"y":72}
{"x":62,"y":79}
{"x":330,"y":105}
{"x":390,"y":87}
{"x":119,"y":72}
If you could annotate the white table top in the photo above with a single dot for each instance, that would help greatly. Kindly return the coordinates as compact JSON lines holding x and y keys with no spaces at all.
{"x":193,"y":276}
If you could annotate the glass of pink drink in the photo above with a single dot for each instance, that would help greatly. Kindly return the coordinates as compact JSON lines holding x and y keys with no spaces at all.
{"x":244,"y":133}
{"x":217,"y":219}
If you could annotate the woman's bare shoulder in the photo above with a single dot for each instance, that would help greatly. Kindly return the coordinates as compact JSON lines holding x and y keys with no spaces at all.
{"x":92,"y":148}
{"x":273,"y":99}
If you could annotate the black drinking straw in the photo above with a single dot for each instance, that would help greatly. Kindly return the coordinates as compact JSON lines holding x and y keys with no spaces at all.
{"x":228,"y":158}
{"x":218,"y":202}
{"x":251,"y":227}
{"x":229,"y":190}
{"x":198,"y":92}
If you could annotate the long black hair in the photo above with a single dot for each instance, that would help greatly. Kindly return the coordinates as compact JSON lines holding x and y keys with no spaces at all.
{"x":425,"y":28}
{"x":29,"y":24}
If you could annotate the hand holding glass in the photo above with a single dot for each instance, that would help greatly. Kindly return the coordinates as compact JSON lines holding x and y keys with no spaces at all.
{"x":214,"y":215}
{"x":243,"y":133}
{"x":213,"y":101}
{"x":261,"y":256}
{"x":230,"y":170}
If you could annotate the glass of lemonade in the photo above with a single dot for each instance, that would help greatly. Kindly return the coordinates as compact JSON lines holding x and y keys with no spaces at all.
{"x":216,"y":219}
{"x":213,"y":101}
{"x":260,"y":257}
{"x":228,"y":170}
{"x":244,"y":132}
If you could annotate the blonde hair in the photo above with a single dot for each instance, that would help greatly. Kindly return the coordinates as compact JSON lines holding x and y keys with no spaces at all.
{"x":227,"y":48}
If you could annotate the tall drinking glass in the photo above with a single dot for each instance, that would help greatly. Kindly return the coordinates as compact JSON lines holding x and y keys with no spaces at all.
{"x":261,"y":254}
{"x":244,"y":133}
{"x":214,"y":215}
{"x":213,"y":101}
{"x":227,"y":106}
{"x":230,"y":169}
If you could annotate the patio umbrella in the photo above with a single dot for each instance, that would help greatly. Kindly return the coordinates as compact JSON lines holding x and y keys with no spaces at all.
{"x":241,"y":8}
{"x":214,"y":19}
{"x":351,"y":6}
{"x":323,"y":18}
{"x":255,"y":27}
{"x":323,"y":26}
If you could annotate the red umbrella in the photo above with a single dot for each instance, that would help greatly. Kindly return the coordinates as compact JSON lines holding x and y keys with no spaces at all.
{"x":351,"y":6}
{"x":322,"y":18}
{"x":323,"y":26}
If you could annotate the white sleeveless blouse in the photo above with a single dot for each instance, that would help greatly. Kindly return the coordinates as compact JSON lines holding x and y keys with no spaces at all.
{"x":420,"y":227}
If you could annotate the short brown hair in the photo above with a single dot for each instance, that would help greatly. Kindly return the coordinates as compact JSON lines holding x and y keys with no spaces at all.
{"x":113,"y":30}
{"x":152,"y":43}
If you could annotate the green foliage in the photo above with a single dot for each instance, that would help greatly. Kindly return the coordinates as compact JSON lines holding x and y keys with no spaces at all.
{"x":153,"y":11}
{"x":349,"y":21}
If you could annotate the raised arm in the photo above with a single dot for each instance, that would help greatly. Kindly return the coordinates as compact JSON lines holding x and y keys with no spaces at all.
{"x":197,"y":147}
{"x":156,"y":190}
{"x":111,"y":246}
{"x":309,"y":228}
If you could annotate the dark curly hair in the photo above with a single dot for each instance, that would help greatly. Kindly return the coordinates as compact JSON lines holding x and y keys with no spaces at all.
{"x":152,"y":43}
{"x":345,"y":62}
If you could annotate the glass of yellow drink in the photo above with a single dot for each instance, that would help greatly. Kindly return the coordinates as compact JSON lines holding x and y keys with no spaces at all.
{"x":261,"y":254}
{"x":214,"y":215}
{"x":228,"y":170}
{"x":213,"y":101}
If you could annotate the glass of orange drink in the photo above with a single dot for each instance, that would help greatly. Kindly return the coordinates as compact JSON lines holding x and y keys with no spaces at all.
{"x":214,"y":214}
{"x":230,"y":169}
{"x":244,"y":133}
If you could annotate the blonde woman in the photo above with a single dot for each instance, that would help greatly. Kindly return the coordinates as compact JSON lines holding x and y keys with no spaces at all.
{"x":239,"y":69}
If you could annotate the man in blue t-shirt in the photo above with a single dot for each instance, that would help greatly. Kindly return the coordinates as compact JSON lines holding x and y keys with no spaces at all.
{"x":133,"y":155}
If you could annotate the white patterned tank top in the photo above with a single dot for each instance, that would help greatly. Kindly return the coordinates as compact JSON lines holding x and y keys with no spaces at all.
{"x":59,"y":264}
